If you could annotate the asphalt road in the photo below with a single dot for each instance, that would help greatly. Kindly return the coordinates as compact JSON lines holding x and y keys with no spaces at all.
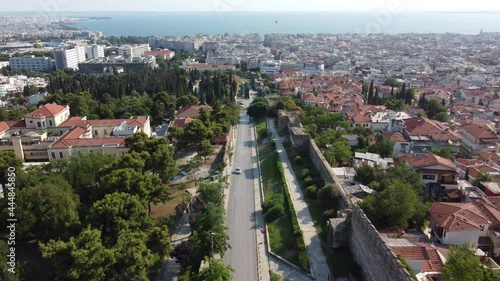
{"x":240,"y":214}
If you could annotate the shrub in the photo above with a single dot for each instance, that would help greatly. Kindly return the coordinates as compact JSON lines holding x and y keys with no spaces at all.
{"x":297,"y":160}
{"x":274,"y":213}
{"x":305,"y":173}
{"x":298,"y":234}
{"x":263,"y":134}
{"x":332,"y":213}
{"x":312,"y":191}
{"x":304,"y":259}
{"x":274,"y":200}
{"x":308,"y":181}
{"x":329,"y":192}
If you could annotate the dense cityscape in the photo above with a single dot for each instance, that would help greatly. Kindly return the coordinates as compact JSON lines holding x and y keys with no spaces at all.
{"x":247,"y":156}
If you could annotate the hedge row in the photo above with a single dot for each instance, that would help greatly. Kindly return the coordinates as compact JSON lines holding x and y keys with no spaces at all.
{"x":297,"y":233}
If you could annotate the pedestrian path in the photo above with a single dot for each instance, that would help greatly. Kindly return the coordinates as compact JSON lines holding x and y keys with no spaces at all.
{"x":319,"y":267}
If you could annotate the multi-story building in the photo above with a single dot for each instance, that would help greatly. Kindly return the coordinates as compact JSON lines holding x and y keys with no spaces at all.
{"x":50,"y":133}
{"x":270,"y":67}
{"x":32,"y":63}
{"x":95,"y":51}
{"x":165,"y":54}
{"x":109,"y":66}
{"x":132,"y":51}
{"x":69,"y":58}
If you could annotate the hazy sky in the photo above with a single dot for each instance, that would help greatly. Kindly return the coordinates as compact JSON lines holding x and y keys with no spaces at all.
{"x":247,"y":5}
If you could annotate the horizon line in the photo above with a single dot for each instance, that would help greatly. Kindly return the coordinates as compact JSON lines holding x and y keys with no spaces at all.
{"x":253,"y":11}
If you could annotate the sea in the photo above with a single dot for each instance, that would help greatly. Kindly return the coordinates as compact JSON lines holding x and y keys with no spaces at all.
{"x":232,"y":22}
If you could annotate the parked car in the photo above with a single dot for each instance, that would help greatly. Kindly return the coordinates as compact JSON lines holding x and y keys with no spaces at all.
{"x":237,"y":171}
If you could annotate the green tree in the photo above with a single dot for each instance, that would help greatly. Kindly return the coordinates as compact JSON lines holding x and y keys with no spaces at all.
{"x":187,"y":100}
{"x":5,"y":269}
{"x":257,"y":108}
{"x":216,"y":271}
{"x":193,"y":166}
{"x":210,"y":221}
{"x":393,"y":207}
{"x":159,"y":241}
{"x":394,"y":104}
{"x":391,"y":81}
{"x":341,"y":151}
{"x":205,"y":149}
{"x":118,"y":212}
{"x":195,"y":132}
{"x":211,"y":192}
{"x":8,"y":159}
{"x":81,"y":258}
{"x":50,"y":211}
{"x":463,"y":265}
{"x":445,"y":152}
{"x":367,"y":174}
{"x":371,"y":95}
{"x":133,"y":258}
{"x":383,"y":147}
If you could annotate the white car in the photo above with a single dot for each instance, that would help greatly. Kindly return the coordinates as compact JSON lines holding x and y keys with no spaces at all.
{"x":237,"y":171}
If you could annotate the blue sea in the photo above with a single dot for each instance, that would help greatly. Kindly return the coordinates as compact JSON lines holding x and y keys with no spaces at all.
{"x":192,"y":23}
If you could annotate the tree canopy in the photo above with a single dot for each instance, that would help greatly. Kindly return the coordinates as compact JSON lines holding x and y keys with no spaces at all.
{"x":463,"y":265}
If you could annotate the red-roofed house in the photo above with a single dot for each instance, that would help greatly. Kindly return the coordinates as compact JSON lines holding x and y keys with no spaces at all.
{"x":428,"y":135}
{"x":47,"y":116}
{"x":401,"y":145}
{"x":192,"y":111}
{"x":165,"y":54}
{"x":458,"y":223}
{"x":435,"y":170}
{"x":476,"y":138}
{"x":423,"y":256}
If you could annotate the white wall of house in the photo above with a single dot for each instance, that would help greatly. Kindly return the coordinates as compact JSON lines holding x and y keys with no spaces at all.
{"x":461,"y":237}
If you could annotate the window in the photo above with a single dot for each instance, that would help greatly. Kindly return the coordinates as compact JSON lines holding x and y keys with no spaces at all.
{"x":105,"y":132}
{"x":61,"y":132}
{"x":31,"y":121}
{"x":429,"y":177}
{"x":39,"y":124}
{"x":61,"y":155}
{"x":404,"y":145}
{"x":50,"y":122}
{"x":53,"y":155}
{"x":95,"y":132}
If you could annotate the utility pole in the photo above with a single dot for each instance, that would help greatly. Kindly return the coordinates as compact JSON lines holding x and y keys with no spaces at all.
{"x":212,"y":243}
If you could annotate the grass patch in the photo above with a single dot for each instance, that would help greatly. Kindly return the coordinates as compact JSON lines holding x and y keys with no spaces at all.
{"x":281,"y":239}
{"x":274,"y":276}
{"x":261,"y":128}
{"x":281,"y":232}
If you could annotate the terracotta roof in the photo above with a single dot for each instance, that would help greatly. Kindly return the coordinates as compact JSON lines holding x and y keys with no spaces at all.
{"x":132,"y":121}
{"x":418,"y":162}
{"x":458,"y":216}
{"x":49,"y":109}
{"x":182,"y":122}
{"x":395,"y":137}
{"x":221,"y":139}
{"x":191,"y":111}
{"x":74,"y":137}
{"x":3,"y":126}
{"x":74,"y":121}
{"x":489,"y":209}
{"x":16,"y":124}
{"x":419,"y":126}
{"x":484,"y":133}
{"x":422,"y":252}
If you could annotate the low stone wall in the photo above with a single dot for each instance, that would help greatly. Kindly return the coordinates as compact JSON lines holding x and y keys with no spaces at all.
{"x":374,"y":256}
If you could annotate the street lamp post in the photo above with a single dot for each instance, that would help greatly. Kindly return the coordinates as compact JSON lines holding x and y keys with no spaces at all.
{"x":212,"y":243}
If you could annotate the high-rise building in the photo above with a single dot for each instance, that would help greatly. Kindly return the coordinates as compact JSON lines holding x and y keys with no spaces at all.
{"x":32,"y":63}
{"x":69,"y":58}
{"x":133,"y":51}
{"x":95,"y":51}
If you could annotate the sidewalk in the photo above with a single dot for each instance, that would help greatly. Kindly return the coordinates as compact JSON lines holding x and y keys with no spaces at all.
{"x":319,"y":267}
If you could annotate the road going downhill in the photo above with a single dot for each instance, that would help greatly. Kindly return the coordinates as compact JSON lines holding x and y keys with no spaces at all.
{"x":240,"y":212}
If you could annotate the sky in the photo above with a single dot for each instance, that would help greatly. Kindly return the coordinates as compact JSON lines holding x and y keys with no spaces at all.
{"x":249,"y":5}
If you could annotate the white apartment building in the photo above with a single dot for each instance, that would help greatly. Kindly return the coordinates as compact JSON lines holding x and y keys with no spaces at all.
{"x":32,"y":63}
{"x":69,"y":58}
{"x":270,"y":67}
{"x":132,"y":51}
{"x":95,"y":51}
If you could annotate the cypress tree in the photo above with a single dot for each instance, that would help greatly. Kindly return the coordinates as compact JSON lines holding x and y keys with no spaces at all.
{"x":370,"y":94}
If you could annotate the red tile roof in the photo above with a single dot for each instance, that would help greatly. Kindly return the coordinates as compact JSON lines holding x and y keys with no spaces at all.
{"x":47,"y":110}
{"x":395,"y":137}
{"x":191,"y":111}
{"x":431,"y":260}
{"x":483,"y":133}
{"x":74,"y":121}
{"x":182,"y":122}
{"x":133,"y":121}
{"x":419,"y":126}
{"x":458,"y":216}
{"x":3,"y":126}
{"x":16,"y":124}
{"x":419,"y":162}
{"x":74,"y":137}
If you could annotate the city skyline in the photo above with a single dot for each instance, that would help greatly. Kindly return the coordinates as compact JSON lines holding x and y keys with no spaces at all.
{"x":240,"y":5}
